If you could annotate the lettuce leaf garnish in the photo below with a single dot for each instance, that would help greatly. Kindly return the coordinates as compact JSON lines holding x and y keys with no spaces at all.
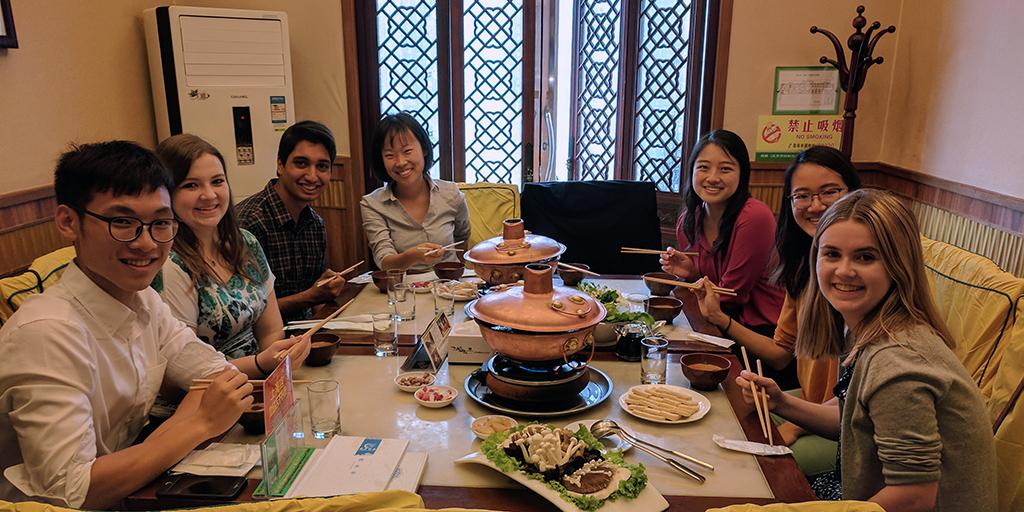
{"x":628,"y":489}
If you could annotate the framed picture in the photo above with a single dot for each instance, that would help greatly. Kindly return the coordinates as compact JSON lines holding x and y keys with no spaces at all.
{"x":8,"y":39}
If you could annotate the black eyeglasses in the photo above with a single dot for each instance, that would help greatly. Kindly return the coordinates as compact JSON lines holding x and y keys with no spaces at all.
{"x":828,"y":196}
{"x":127,"y":229}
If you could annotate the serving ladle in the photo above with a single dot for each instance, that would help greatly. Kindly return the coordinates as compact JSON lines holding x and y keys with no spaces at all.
{"x":608,"y":427}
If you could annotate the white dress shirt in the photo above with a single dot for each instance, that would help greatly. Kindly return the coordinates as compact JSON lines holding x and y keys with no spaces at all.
{"x":391,"y":230}
{"x":79,"y":373}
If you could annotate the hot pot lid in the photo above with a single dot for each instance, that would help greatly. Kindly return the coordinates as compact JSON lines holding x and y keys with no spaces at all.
{"x":514,"y":246}
{"x":538,"y":306}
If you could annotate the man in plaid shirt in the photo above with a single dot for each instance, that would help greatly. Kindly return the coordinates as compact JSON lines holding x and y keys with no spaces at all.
{"x":282,"y":218}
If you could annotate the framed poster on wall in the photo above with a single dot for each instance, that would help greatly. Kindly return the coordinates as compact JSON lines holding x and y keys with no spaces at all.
{"x":806,"y":90}
{"x":8,"y":39}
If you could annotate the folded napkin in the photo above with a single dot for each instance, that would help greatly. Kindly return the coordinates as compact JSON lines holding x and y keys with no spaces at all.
{"x":361,"y":279}
{"x":750,"y":447}
{"x":707,"y":338}
{"x":361,"y":323}
{"x":227,"y":459}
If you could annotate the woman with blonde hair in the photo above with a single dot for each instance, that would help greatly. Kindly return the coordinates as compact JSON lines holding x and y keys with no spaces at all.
{"x":913,"y":430}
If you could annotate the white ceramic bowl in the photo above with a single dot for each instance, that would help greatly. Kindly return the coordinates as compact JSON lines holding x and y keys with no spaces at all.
{"x":490,"y":424}
{"x":427,"y":396}
{"x":406,"y":381}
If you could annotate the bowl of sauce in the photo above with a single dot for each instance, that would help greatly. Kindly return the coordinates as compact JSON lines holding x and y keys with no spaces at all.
{"x":705,"y":371}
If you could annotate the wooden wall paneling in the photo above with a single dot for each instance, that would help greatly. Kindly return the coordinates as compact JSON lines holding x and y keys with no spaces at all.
{"x":20,"y":245}
{"x":339,"y":206}
{"x":26,"y":227}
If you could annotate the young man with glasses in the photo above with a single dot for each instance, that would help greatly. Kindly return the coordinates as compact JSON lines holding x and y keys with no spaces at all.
{"x":282,"y":218}
{"x":83,"y":362}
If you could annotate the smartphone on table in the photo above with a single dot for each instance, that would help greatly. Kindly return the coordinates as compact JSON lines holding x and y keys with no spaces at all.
{"x":201,"y":487}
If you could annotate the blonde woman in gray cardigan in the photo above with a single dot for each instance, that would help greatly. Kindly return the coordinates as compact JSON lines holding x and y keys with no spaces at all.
{"x":913,"y":430}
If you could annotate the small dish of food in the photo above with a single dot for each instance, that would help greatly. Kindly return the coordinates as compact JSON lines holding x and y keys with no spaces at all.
{"x":411,"y":381}
{"x":490,"y":424}
{"x":460,"y":290}
{"x":420,"y":286}
{"x":435,"y":396}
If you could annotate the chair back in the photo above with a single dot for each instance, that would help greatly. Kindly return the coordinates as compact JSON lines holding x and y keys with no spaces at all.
{"x":489,"y":205}
{"x":594,"y":219}
{"x":41,"y":274}
{"x":1007,"y":406}
{"x":976,"y":299}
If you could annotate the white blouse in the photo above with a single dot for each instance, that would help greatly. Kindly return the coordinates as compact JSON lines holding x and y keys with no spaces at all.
{"x":390,"y":230}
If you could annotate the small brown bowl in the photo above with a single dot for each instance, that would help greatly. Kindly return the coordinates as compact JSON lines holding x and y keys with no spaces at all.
{"x":323,"y":345}
{"x":380,"y":280}
{"x":659,"y":288}
{"x":572,"y":277}
{"x":449,"y":270}
{"x":252,"y":420}
{"x":663,"y":308}
{"x":705,"y":371}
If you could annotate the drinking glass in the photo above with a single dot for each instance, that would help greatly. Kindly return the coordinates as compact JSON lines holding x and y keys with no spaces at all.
{"x":404,"y":301}
{"x":324,"y":408}
{"x":653,"y":360}
{"x":443,"y":291}
{"x":394,"y":277}
{"x":385,"y":335}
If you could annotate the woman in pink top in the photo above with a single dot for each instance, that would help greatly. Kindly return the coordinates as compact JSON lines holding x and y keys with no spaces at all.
{"x":733,"y":235}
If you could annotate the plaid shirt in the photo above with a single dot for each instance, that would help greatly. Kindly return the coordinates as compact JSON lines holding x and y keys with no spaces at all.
{"x":296,"y":251}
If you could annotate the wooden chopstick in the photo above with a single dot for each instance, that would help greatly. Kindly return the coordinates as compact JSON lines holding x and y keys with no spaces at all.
{"x":692,"y":286}
{"x":637,"y":250}
{"x":315,"y":328}
{"x":764,"y":404}
{"x":338,"y":274}
{"x":578,"y":269}
{"x":753,"y":390}
{"x":199,"y":384}
{"x":443,"y":248}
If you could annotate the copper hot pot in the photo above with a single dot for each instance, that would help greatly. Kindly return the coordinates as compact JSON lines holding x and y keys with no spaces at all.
{"x":503,"y":259}
{"x":537,"y":321}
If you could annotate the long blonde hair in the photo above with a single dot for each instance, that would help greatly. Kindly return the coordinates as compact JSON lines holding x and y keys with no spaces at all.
{"x":908,"y":302}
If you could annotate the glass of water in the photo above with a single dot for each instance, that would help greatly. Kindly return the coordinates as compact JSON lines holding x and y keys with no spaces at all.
{"x":403,"y":299}
{"x":653,"y":360}
{"x":443,"y":291}
{"x":395,"y":276}
{"x":324,"y":408}
{"x":385,"y":335}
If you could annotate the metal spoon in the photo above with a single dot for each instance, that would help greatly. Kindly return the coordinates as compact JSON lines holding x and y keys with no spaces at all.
{"x":607,"y":427}
{"x":675,"y":464}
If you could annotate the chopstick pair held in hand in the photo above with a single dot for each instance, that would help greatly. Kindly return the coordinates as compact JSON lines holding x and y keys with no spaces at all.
{"x":338,"y":274}
{"x":449,"y":247}
{"x":760,"y":399}
{"x":312,"y":330}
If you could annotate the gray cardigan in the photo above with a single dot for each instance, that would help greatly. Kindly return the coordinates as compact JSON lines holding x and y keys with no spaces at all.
{"x":914,"y":415}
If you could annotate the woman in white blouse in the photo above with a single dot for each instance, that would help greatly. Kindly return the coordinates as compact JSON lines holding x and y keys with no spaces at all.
{"x":412,"y":216}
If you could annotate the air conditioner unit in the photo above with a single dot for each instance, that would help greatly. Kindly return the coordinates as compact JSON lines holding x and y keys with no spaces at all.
{"x":226,"y":76}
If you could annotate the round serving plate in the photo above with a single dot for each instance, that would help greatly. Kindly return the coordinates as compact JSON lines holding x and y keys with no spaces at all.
{"x":596,"y":391}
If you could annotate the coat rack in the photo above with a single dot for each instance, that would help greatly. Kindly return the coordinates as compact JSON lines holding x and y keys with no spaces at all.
{"x":851,"y":78}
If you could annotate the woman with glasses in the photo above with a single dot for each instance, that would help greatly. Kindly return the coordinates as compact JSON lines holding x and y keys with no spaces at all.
{"x":216,"y":279}
{"x":817,"y":177}
{"x":732,"y":235}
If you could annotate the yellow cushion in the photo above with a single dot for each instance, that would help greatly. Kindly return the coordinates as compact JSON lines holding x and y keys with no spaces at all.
{"x":41,"y":274}
{"x":809,"y":506}
{"x":371,"y":501}
{"x":1006,"y":399}
{"x":975,"y":297}
{"x":489,"y":205}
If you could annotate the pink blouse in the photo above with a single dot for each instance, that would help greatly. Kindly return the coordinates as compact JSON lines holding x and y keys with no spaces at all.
{"x":745,"y":266}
